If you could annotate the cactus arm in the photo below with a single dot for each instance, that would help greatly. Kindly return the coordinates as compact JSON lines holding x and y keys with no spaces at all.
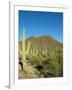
{"x":28,"y":48}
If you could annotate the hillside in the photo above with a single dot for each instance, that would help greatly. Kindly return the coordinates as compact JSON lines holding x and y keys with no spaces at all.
{"x":45,"y":55}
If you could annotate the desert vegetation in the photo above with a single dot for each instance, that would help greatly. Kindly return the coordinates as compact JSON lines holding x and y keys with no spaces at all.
{"x":44,"y":59}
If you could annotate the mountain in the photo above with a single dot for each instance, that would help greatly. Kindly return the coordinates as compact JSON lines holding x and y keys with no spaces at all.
{"x":45,"y":55}
{"x":46,"y":40}
{"x":43,"y":45}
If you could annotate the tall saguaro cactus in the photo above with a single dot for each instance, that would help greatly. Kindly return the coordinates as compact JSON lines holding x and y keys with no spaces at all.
{"x":23,"y":46}
{"x":24,"y":51}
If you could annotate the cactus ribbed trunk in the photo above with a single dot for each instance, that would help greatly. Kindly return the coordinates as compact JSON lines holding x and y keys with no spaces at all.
{"x":23,"y":46}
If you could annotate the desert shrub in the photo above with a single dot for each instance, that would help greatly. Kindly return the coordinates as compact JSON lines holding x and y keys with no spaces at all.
{"x":51,"y":67}
{"x":36,"y":60}
{"x":48,"y":66}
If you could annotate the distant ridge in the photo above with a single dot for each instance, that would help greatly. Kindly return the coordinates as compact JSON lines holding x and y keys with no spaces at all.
{"x":44,"y":39}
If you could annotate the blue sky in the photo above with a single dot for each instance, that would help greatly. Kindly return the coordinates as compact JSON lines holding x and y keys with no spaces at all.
{"x":39,"y":23}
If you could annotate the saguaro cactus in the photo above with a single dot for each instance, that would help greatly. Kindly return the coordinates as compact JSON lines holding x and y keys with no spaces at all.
{"x":23,"y":46}
{"x":24,"y":51}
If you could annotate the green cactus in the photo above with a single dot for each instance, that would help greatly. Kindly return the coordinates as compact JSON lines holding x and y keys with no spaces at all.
{"x":24,"y":51}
